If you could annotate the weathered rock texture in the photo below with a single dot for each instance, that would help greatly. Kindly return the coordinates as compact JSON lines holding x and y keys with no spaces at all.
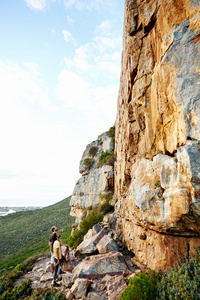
{"x":95,"y":179}
{"x":157,"y":172}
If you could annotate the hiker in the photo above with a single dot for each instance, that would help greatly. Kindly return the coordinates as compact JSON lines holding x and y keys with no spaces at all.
{"x":64,"y":248}
{"x":58,"y":257}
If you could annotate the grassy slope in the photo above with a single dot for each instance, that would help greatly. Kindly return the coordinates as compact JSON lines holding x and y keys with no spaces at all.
{"x":27,"y":233}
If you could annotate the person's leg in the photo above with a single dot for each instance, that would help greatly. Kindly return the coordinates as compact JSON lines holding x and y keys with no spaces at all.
{"x":56,"y":269}
{"x":52,"y":263}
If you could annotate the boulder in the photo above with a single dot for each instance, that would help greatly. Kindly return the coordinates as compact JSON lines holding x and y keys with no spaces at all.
{"x":107,"y":244}
{"x":79,"y":288}
{"x":97,"y":266}
{"x":93,"y":231}
{"x":89,"y":245}
{"x":115,"y":286}
{"x":70,"y":264}
{"x":67,"y":280}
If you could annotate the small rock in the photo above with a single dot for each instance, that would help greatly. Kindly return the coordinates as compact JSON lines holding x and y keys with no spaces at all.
{"x":69,"y":295}
{"x":46,"y":277}
{"x":106,"y":278}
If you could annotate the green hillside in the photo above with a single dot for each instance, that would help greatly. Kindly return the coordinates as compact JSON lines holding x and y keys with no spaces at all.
{"x":26,"y":233}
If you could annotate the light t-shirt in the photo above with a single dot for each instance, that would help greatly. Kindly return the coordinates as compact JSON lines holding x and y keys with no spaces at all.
{"x":56,"y":245}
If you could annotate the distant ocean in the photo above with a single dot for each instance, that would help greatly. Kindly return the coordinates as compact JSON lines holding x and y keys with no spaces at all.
{"x":6,"y":212}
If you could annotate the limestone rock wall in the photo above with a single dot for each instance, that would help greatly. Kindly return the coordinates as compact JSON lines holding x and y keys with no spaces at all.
{"x":95,"y":178}
{"x":157,"y":172}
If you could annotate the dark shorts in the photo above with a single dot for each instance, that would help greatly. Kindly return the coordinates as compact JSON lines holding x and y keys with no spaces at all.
{"x":61,"y":260}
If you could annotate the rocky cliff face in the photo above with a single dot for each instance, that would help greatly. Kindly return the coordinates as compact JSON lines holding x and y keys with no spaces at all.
{"x":157,"y":172}
{"x":97,"y":178}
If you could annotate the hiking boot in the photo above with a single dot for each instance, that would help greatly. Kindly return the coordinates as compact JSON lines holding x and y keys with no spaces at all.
{"x":59,"y":279}
{"x":55,"y":283}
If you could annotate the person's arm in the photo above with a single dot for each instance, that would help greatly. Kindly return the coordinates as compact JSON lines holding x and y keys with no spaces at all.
{"x":67,"y":248}
{"x":51,"y":246}
{"x":63,"y":243}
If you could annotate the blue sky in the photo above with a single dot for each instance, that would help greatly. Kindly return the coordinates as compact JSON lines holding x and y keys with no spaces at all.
{"x":60,"y":66}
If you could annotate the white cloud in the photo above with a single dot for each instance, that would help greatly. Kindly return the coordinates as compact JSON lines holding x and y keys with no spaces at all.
{"x":70,"y":20}
{"x":93,"y":102}
{"x":104,"y":28}
{"x":87,"y":4}
{"x":68,"y":36}
{"x":25,"y":84}
{"x":100,"y":58}
{"x":78,"y":4}
{"x":69,"y":3}
{"x":38,"y":4}
{"x":32,"y":67}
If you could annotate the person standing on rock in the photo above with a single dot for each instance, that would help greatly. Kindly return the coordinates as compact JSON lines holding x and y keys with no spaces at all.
{"x":64,"y":248}
{"x":58,"y":257}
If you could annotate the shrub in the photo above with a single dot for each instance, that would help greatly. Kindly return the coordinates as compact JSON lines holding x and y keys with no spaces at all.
{"x":141,"y":287}
{"x":87,"y":223}
{"x":182,"y":281}
{"x":106,"y":206}
{"x":106,"y":157}
{"x":111,"y":132}
{"x":88,"y":162}
{"x":49,"y":294}
{"x":93,"y":151}
{"x":6,"y":281}
{"x":19,"y":267}
{"x":111,"y":159}
{"x":156,"y":184}
{"x":24,"y":289}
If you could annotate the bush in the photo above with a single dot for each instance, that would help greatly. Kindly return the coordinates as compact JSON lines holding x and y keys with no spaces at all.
{"x":49,"y":294}
{"x":141,"y":287}
{"x":182,"y":281}
{"x":87,"y":223}
{"x":111,"y":159}
{"x":106,"y":206}
{"x":111,"y":132}
{"x":156,"y":184}
{"x":107,"y":158}
{"x":24,"y":289}
{"x":6,"y":281}
{"x":93,"y":151}
{"x":88,"y":162}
